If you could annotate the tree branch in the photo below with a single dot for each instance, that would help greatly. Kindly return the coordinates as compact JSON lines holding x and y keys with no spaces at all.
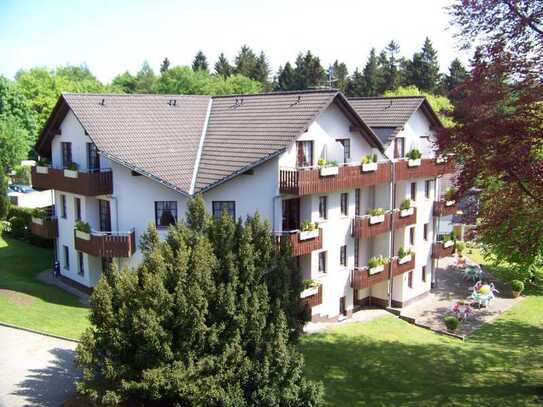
{"x":525,"y":19}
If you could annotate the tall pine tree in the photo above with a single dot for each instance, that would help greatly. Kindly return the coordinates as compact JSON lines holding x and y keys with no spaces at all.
{"x":164,"y":66}
{"x":200,"y":62}
{"x":423,"y":70}
{"x":372,"y":75}
{"x":223,"y":67}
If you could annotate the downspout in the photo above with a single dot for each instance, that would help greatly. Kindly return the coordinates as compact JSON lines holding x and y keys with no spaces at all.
{"x":392,"y":235}
{"x":435,"y":262}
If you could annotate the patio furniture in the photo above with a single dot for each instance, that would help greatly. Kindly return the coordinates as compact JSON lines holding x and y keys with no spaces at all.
{"x":473,"y":273}
{"x":483,"y":294}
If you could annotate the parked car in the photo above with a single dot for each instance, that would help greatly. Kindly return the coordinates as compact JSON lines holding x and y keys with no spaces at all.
{"x":25,"y":189}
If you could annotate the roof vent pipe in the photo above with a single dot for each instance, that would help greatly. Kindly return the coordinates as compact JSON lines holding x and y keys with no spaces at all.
{"x":102,"y":102}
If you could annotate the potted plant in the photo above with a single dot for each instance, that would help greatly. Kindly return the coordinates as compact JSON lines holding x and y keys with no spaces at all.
{"x":369,"y":162}
{"x":517,"y":286}
{"x":406,"y":208}
{"x":82,"y":230}
{"x":71,"y":170}
{"x":377,"y":215}
{"x":449,"y":239}
{"x":451,"y":322}
{"x":311,"y":287}
{"x":38,"y":215}
{"x":309,"y":230}
{"x":327,"y":168}
{"x":42,"y":166}
{"x":376,"y":264}
{"x":404,"y":255}
{"x":460,"y":247}
{"x":449,"y":196}
{"x":414,"y":158}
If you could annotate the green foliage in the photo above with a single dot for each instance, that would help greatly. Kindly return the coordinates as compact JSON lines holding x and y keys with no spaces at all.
{"x":450,"y":194}
{"x":404,"y":252}
{"x":82,"y":226}
{"x":42,"y":162}
{"x":72,"y":166}
{"x":206,"y":319}
{"x":406,"y":204}
{"x":15,"y":143}
{"x":414,"y":154}
{"x":422,"y":70}
{"x":309,"y":283}
{"x":307,"y":226}
{"x":460,"y":246}
{"x":368,"y":159}
{"x":145,"y":79}
{"x":376,"y":212}
{"x":223,"y":67}
{"x":376,"y":261}
{"x":451,"y":322}
{"x":200,"y":62}
{"x":20,"y":220}
{"x":14,"y":105}
{"x":517,"y":285}
{"x":125,"y":82}
{"x":4,"y":198}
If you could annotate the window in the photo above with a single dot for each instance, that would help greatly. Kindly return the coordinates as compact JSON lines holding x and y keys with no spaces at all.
{"x":344,"y":204}
{"x":428,"y":186}
{"x":66,"y":258}
{"x":77,"y":204}
{"x":413,"y":191}
{"x":412,"y":236}
{"x":343,"y":255}
{"x":165,"y":213}
{"x":81,"y":269}
{"x":104,"y":213}
{"x":346,"y":148}
{"x":323,"y":207}
{"x":93,"y":158}
{"x":66,"y":153}
{"x":423,"y":274}
{"x":357,"y":202}
{"x":356,"y":249}
{"x":426,"y":226}
{"x":399,"y":147}
{"x":224,"y":206}
{"x":410,"y":279}
{"x":63,"y":210}
{"x":304,"y":153}
{"x":322,"y":262}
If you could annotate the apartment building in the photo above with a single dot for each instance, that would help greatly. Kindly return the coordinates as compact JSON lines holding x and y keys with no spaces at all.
{"x":122,"y":162}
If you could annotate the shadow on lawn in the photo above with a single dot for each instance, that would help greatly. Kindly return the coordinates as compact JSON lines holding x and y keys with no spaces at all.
{"x":500,"y":366}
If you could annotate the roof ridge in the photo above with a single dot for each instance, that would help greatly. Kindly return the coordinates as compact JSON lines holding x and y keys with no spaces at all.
{"x":133,"y":94}
{"x":386,"y":97}
{"x":283,"y":92}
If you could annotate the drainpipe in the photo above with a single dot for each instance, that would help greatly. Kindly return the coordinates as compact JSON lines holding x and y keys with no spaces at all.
{"x":392,"y":234}
{"x":435,"y":262}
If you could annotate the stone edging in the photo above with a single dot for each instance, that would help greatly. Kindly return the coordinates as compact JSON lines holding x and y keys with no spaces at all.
{"x":38,"y":332}
{"x":412,"y":321}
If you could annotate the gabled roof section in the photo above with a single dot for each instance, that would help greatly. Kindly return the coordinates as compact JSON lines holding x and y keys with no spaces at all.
{"x":246,"y":130}
{"x":157,"y":135}
{"x":388,"y":115}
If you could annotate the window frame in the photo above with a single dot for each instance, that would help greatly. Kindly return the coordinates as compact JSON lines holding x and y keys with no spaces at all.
{"x":410,"y":279}
{"x":66,"y":263}
{"x":428,"y":188}
{"x":412,"y":236}
{"x":66,"y":153}
{"x":356,"y":252}
{"x":322,"y":262}
{"x":423,"y":274}
{"x":158,"y":215}
{"x":399,"y":152}
{"x":413,"y":191}
{"x":346,"y":143}
{"x":77,"y":207}
{"x":93,"y":158}
{"x":343,"y":255}
{"x":63,"y":207}
{"x":425,"y":231}
{"x":323,"y":207}
{"x":299,"y":151}
{"x":80,"y":264}
{"x":344,"y":203}
{"x":357,"y":202}
{"x":217,"y":209}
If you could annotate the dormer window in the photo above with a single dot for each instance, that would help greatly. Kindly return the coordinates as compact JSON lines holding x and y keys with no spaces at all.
{"x":66,"y":154}
{"x":93,"y":157}
{"x":346,"y":143}
{"x":304,"y":153}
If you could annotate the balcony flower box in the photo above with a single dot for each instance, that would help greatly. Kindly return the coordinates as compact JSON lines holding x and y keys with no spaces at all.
{"x":82,"y":235}
{"x":309,"y":234}
{"x":328,"y":171}
{"x":377,"y":219}
{"x":369,"y":167}
{"x":37,"y":221}
{"x":41,"y":169}
{"x":376,"y":269}
{"x":448,"y":243}
{"x":406,"y":212}
{"x":414,"y":163}
{"x":405,"y":259}
{"x":449,"y":203}
{"x":308,"y":292}
{"x":70,"y":173}
{"x":441,"y":159}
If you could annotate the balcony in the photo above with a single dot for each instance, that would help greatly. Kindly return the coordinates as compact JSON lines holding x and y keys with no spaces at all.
{"x":368,"y":226}
{"x":429,"y":167}
{"x":106,"y":244}
{"x":310,"y":181}
{"x":364,"y":277}
{"x":302,"y":242}
{"x":315,"y":299}
{"x":443,"y":249}
{"x":445,"y":208}
{"x":400,"y":266}
{"x":46,"y":227}
{"x":99,"y":182}
{"x":406,"y":217}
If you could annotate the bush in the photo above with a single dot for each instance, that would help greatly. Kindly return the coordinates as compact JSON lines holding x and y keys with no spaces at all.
{"x":450,"y":194}
{"x":20,"y":220}
{"x":403,"y":252}
{"x":517,"y":285}
{"x":414,"y":154}
{"x":72,"y":166}
{"x":376,"y":261}
{"x":42,"y":162}
{"x":82,"y":226}
{"x":451,"y":322}
{"x":406,"y":204}
{"x":460,"y":246}
{"x":310,"y":284}
{"x":307,"y":226}
{"x":369,"y":158}
{"x":376,"y":212}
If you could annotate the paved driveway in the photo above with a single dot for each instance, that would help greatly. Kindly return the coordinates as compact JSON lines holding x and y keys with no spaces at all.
{"x":35,"y":370}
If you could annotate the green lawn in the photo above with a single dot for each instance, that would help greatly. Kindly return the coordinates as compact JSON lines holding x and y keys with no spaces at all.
{"x":388,"y":362}
{"x":28,"y":303}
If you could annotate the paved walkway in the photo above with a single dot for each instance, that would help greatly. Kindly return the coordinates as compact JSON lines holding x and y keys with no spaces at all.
{"x":452,"y":287}
{"x":35,"y":370}
{"x":364,"y":315}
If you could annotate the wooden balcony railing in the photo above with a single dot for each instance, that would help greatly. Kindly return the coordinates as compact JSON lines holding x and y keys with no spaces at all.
{"x":301,"y":246}
{"x":309,"y":181}
{"x":404,"y":218}
{"x":398,"y":268}
{"x":439,"y":250}
{"x":106,"y":244}
{"x":91,"y":183}
{"x":429,"y":167}
{"x":364,"y":229}
{"x":313,"y":300}
{"x":445,"y":208}
{"x":46,"y":227}
{"x":361,"y":277}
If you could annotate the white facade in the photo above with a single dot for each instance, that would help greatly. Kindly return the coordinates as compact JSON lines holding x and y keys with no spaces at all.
{"x":132,"y":206}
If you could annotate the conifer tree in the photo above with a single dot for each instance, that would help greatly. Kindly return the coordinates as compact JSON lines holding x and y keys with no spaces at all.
{"x":356,"y":85}
{"x":308,"y":72}
{"x":262,"y":69}
{"x":145,"y":79}
{"x":200,"y":62}
{"x":165,"y":65}
{"x":390,"y":67}
{"x":285,"y":78}
{"x":457,"y":75}
{"x":372,"y":75}
{"x":246,"y":62}
{"x":423,"y":70}
{"x":341,"y":75}
{"x":223,"y":67}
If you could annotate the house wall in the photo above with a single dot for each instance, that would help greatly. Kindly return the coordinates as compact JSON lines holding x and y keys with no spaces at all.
{"x":417,"y":134}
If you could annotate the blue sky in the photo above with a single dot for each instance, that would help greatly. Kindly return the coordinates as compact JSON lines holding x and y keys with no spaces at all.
{"x":113,"y":36}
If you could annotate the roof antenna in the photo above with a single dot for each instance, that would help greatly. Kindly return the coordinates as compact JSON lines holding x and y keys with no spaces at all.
{"x":298,"y":101}
{"x":102,"y":102}
{"x":389,"y":105}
